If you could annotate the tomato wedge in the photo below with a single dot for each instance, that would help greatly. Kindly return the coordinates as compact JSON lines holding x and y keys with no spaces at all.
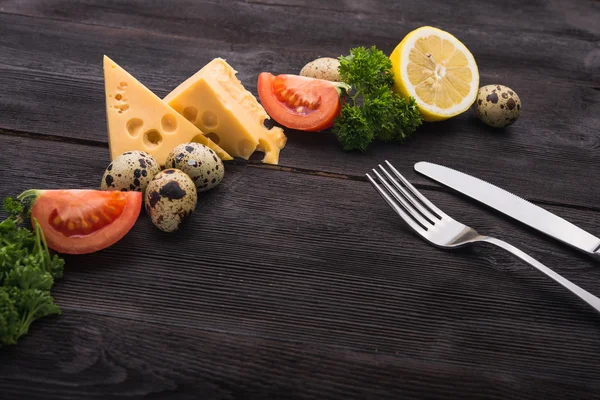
{"x":84,"y":221}
{"x":298,"y":102}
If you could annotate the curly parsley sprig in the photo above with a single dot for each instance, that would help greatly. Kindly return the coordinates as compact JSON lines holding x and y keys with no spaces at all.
{"x":372,"y":110}
{"x":27,"y":272}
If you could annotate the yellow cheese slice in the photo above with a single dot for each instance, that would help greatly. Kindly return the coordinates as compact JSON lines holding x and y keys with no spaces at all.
{"x":140,"y":120}
{"x":215,"y":101}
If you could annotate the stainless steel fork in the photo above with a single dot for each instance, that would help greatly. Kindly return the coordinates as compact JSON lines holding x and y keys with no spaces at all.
{"x":443,"y":231}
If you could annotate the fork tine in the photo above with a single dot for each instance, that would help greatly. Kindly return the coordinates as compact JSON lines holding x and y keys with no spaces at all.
{"x":405,"y":204}
{"x":413,"y":202}
{"x":415,"y":192}
{"x":396,"y":207}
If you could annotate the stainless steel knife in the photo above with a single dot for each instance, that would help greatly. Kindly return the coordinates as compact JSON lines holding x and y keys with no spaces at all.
{"x":513,"y":206}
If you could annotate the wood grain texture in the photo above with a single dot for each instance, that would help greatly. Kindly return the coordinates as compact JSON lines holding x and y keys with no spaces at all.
{"x":487,"y":30}
{"x":84,"y":355}
{"x":283,"y":278}
{"x":58,"y":73}
{"x":298,"y":281}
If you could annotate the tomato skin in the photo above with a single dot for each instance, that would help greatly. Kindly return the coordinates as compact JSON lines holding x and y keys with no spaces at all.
{"x":320,"y":98}
{"x":82,"y":205}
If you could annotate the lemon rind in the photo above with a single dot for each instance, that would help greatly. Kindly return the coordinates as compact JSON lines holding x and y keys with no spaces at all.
{"x":433,"y":112}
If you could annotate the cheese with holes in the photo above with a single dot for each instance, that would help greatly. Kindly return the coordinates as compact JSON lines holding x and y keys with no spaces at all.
{"x":215,"y":100}
{"x":140,"y":120}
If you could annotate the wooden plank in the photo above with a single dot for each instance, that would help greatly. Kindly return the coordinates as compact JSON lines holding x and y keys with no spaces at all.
{"x":85,"y":355}
{"x":314,"y":260}
{"x":53,"y":86}
{"x":554,"y":47}
{"x":488,"y":31}
{"x":551,"y":16}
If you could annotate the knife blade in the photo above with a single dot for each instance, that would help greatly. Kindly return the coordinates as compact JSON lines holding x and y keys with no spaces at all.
{"x":513,"y":206}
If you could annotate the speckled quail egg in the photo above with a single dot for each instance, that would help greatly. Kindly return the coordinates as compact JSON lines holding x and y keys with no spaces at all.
{"x":170,"y":199}
{"x":201,"y":163}
{"x":497,"y":105}
{"x":322,"y":68}
{"x":131,"y":170}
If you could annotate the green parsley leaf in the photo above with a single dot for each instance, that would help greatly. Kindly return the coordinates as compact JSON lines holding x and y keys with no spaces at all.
{"x":372,"y":110}
{"x":352,"y":129}
{"x":10,"y":320}
{"x":27,"y":273}
{"x":13,"y":207}
{"x":366,"y":70}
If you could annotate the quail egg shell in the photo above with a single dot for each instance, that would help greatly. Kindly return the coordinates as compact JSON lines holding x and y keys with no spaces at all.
{"x":170,"y":199}
{"x":497,"y":105}
{"x":201,"y":164}
{"x":131,"y":171}
{"x":322,"y":68}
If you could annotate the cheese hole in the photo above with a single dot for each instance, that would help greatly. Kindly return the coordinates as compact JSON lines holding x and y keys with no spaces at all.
{"x":168,"y":122}
{"x":190,"y":113}
{"x":122,"y":108}
{"x":256,"y":156}
{"x":118,"y":97}
{"x":263,"y":146}
{"x":134,"y":126}
{"x":213,"y":136}
{"x":123,"y":85}
{"x":261,"y":150}
{"x":152,"y":138}
{"x":209,"y":119}
{"x":246,"y":146}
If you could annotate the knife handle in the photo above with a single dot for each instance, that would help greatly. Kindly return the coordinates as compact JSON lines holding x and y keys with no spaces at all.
{"x":576,"y":290}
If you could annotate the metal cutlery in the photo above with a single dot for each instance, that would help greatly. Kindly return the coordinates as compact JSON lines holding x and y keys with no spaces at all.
{"x":442,"y":231}
{"x":513,"y":206}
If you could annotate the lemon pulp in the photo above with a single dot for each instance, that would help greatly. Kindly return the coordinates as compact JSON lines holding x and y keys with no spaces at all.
{"x":436,"y":69}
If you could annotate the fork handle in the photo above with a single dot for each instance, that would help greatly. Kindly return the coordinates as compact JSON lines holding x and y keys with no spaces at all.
{"x":581,"y":293}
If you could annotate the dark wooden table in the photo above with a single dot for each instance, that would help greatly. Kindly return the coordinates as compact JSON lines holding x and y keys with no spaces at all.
{"x":298,"y":281}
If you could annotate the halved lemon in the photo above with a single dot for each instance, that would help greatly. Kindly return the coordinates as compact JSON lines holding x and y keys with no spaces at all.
{"x":436,"y":69}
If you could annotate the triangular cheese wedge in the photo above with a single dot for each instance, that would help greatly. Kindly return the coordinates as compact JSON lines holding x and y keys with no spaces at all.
{"x":215,"y":100}
{"x":140,"y":120}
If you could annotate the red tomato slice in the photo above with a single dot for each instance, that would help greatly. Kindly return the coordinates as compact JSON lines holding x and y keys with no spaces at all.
{"x":84,"y":221}
{"x":298,"y":102}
